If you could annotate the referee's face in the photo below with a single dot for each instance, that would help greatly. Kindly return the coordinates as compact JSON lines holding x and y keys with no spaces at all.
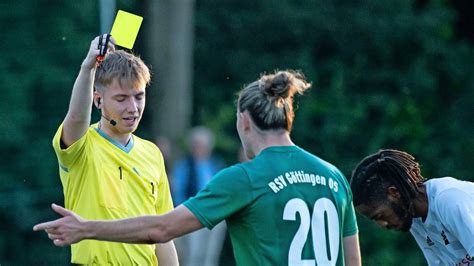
{"x":125,"y":106}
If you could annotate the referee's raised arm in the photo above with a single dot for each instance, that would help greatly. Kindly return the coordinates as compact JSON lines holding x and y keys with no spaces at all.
{"x":78,"y":117}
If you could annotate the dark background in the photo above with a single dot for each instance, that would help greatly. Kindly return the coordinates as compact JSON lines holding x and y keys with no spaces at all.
{"x":385,"y":74}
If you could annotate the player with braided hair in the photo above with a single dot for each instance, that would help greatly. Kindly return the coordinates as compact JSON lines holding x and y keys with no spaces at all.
{"x":388,"y":188}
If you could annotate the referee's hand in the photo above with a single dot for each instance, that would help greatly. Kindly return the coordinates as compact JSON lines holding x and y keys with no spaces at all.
{"x":65,"y":231}
{"x":96,"y":48}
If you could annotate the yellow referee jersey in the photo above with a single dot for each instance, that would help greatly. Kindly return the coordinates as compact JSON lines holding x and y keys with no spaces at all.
{"x":103,"y":179}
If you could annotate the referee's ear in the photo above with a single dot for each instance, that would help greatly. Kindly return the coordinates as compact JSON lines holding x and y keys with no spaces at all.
{"x":97,"y":99}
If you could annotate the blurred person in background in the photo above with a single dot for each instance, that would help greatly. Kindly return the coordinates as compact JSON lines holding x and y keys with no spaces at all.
{"x":190,"y":175}
{"x":389,"y":189}
{"x":165,"y":146}
{"x":284,"y":206}
{"x":106,"y":171}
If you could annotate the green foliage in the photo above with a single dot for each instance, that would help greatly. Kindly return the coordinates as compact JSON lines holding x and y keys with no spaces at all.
{"x":39,"y":61}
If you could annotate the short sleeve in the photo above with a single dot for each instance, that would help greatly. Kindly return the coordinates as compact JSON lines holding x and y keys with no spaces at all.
{"x":455,"y":209}
{"x":67,"y":157}
{"x":350,"y":221}
{"x":227,"y":193}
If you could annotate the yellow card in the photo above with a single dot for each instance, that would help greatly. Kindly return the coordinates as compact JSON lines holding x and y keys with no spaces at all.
{"x":125,"y":28}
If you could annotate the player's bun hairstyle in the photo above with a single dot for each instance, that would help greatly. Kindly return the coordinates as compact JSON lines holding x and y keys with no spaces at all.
{"x":269,"y":100}
{"x":375,"y":173}
{"x":128,"y":69}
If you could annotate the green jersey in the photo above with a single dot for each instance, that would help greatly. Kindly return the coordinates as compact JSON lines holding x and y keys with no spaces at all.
{"x":284,"y":207}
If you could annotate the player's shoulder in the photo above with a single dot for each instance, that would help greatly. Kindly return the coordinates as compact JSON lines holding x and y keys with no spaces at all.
{"x":146,"y":146}
{"x":331,"y":168}
{"x":448,"y":190}
{"x":234,"y":170}
{"x":318,"y":159}
{"x":85,"y":139}
{"x":144,"y":142}
{"x":447,"y":185}
{"x":231,"y":177}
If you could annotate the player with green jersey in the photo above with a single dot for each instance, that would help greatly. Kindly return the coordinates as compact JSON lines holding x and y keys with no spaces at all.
{"x":271,"y":207}
{"x":283,"y":207}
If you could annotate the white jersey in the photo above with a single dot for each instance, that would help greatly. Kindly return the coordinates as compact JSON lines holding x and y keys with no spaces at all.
{"x":446,"y":237}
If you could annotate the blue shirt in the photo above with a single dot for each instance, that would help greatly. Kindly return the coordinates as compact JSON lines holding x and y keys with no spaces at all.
{"x":182,"y":172}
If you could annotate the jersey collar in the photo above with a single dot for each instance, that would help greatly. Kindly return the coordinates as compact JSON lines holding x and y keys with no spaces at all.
{"x":127,"y":148}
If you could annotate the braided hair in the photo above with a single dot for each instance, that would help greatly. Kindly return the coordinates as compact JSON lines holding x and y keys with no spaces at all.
{"x":375,"y":173}
{"x":269,"y":100}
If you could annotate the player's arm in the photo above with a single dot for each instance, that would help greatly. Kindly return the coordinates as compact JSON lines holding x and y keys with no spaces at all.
{"x":148,"y":229}
{"x":78,"y":117}
{"x":352,"y":250}
{"x":166,"y":254}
